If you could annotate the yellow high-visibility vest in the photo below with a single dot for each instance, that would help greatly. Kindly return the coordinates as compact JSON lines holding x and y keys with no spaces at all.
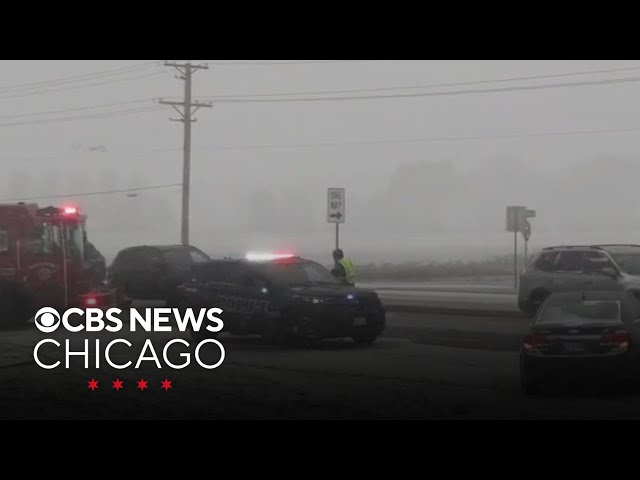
{"x":349,"y":270}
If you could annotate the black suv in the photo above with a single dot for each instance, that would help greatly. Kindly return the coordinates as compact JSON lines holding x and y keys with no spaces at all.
{"x":152,"y":272}
{"x":283,"y":299}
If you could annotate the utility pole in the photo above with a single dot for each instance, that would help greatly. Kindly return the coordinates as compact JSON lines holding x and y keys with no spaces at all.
{"x":186,"y":72}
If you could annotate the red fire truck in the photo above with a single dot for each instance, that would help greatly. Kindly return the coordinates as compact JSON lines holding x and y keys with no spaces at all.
{"x":47,"y":260}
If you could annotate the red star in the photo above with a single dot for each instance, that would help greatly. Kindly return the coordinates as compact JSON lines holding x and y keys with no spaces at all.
{"x":142,"y":384}
{"x":166,"y":384}
{"x":93,"y":384}
{"x":117,"y":384}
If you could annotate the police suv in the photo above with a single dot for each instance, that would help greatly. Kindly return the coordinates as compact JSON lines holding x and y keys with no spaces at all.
{"x":281,"y":297}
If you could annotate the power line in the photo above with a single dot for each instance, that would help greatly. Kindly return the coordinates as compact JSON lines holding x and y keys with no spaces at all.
{"x":83,"y":117}
{"x":77,"y":87}
{"x":407,"y":140}
{"x":429,"y":139}
{"x":292,"y":62}
{"x":77,"y":109}
{"x":436,"y":85}
{"x":320,"y":92}
{"x":365,"y":142}
{"x":430,"y":94}
{"x":89,"y":194}
{"x":75,"y":78}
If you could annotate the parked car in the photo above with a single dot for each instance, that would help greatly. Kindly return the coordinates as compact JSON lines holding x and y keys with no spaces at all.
{"x":152,"y":271}
{"x":592,"y":336}
{"x":578,"y":268}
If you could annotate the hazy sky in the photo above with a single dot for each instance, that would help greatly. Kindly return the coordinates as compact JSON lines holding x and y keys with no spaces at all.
{"x":144,"y":148}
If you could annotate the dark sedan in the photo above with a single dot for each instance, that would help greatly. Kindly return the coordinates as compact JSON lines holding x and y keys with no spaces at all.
{"x":582,"y":336}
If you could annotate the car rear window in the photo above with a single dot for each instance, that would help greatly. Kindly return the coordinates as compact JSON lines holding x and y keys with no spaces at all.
{"x":607,"y":311}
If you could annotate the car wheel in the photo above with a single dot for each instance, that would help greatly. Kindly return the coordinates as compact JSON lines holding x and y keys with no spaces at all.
{"x":535,"y":300}
{"x":368,"y":334}
{"x":525,"y":307}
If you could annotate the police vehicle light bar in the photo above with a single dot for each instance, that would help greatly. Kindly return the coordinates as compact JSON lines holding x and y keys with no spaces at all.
{"x":257,"y":257}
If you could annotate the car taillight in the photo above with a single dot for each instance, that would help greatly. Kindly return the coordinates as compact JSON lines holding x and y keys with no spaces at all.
{"x":619,"y":339}
{"x":533,"y":341}
{"x":90,"y":301}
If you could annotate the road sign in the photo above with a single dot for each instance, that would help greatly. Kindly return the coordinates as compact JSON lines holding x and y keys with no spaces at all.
{"x":336,"y":205}
{"x":515,"y":217}
{"x":526,"y":232}
{"x":517,"y":222}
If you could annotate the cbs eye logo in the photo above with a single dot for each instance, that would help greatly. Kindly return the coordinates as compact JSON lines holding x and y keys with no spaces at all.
{"x":47,"y":319}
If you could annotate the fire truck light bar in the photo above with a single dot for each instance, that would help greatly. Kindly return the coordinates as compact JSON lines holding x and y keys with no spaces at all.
{"x":70,"y":210}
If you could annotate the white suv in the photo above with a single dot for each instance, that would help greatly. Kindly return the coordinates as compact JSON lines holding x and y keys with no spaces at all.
{"x":578,"y":268}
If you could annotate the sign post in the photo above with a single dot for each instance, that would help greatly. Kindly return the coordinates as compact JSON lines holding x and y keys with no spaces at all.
{"x":526,"y":232}
{"x":336,"y":209}
{"x":517,"y":222}
{"x":514,"y":213}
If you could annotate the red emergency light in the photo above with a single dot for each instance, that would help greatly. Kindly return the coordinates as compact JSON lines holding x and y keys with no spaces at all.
{"x":265,"y":257}
{"x":70,"y":210}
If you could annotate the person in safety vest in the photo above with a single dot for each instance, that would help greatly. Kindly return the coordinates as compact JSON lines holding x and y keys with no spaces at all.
{"x":343,"y":267}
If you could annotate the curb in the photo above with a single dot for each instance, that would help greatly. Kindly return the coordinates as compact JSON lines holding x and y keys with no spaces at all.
{"x":455,"y":311}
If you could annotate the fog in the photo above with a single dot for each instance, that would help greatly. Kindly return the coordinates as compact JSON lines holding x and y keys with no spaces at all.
{"x":260,"y":170}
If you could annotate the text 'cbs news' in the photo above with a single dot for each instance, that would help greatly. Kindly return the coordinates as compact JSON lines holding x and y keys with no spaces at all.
{"x":76,"y":321}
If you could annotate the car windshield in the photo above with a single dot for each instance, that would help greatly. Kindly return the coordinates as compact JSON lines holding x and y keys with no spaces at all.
{"x":298,"y":273}
{"x":74,"y":239}
{"x":579,"y":313}
{"x":43,"y":239}
{"x":628,"y":262}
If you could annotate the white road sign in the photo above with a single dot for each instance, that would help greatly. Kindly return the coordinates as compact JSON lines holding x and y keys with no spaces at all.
{"x":336,"y":205}
{"x":515,"y":218}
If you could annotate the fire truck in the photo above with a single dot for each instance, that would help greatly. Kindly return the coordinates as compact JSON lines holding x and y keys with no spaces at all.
{"x":47,"y":260}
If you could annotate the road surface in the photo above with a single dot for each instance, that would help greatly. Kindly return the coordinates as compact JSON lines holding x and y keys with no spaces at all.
{"x":447,"y":296}
{"x":423,"y":367}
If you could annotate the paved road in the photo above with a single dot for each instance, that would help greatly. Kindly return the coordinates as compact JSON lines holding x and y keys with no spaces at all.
{"x":453,"y":296}
{"x":425,"y":366}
